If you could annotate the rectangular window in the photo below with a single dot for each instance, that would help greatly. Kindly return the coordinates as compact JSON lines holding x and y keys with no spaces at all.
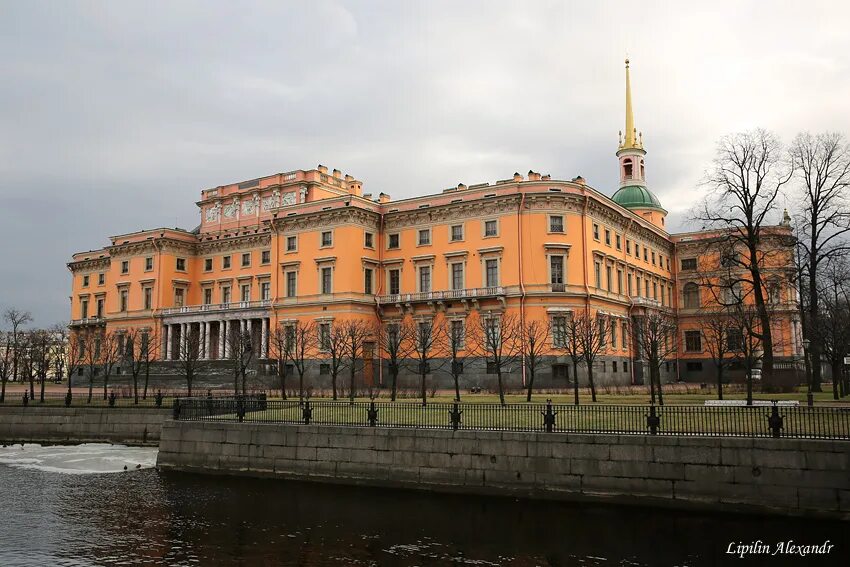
{"x":265,"y":291}
{"x":291,"y":243}
{"x":324,"y":369}
{"x":101,"y":279}
{"x":625,"y":366}
{"x":125,"y":267}
{"x":693,"y":341}
{"x":646,"y":288}
{"x":614,"y":366}
{"x":653,"y":257}
{"x":245,"y":292}
{"x":457,"y":232}
{"x":689,"y":264}
{"x":607,"y":237}
{"x":458,"y":334}
{"x":628,"y":246}
{"x":559,"y":332}
{"x":225,"y":262}
{"x":694,"y":366}
{"x":614,"y":338}
{"x":561,"y":372}
{"x":367,"y":281}
{"x":629,"y":283}
{"x":181,"y":264}
{"x":655,"y":291}
{"x":85,"y":281}
{"x":395,"y":282}
{"x":149,"y":264}
{"x":457,"y":276}
{"x":124,"y":299}
{"x":424,"y":236}
{"x":620,"y":282}
{"x":595,"y":231}
{"x":326,"y":280}
{"x":265,"y":256}
{"x":608,"y":278}
{"x":148,"y":297}
{"x":637,"y":250}
{"x":84,"y":308}
{"x":637,"y":282}
{"x":179,"y":297}
{"x":369,"y":240}
{"x":100,"y":307}
{"x":327,"y":239}
{"x":246,"y":259}
{"x":492,"y":271}
{"x":491,"y":367}
{"x":556,"y":223}
{"x":324,"y":336}
{"x":290,"y":284}
{"x":208,"y":295}
{"x":491,"y":228}
{"x":208,"y":264}
{"x":225,"y":294}
{"x":424,"y":279}
{"x":625,"y":336}
{"x":556,"y":270}
{"x":597,"y":268}
{"x":645,"y":255}
{"x":393,"y":241}
{"x":618,"y":241}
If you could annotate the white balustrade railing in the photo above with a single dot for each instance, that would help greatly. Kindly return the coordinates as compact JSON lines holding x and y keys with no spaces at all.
{"x":217,"y":307}
{"x":467,"y":293}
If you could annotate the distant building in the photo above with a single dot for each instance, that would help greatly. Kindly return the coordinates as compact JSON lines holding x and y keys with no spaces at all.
{"x":310,"y":245}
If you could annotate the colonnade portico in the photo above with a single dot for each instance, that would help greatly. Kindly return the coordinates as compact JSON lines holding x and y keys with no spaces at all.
{"x":213,"y":333}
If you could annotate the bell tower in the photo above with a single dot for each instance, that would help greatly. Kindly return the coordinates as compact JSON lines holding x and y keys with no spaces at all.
{"x":633,"y":193}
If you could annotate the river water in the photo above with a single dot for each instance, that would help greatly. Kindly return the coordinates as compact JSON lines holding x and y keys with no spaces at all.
{"x":77,"y":506}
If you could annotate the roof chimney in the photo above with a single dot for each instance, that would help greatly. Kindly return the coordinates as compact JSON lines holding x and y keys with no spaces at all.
{"x":461,"y":186}
{"x":383,"y":198}
{"x":348,"y":177}
{"x":517,"y":177}
{"x":579,"y":180}
{"x":322,"y":169}
{"x":546,"y":177}
{"x":533,"y":176}
{"x":337,"y":174}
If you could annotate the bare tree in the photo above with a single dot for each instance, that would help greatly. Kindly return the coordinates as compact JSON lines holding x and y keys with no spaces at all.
{"x":593,"y":335}
{"x":16,"y":319}
{"x":41,"y":348}
{"x":655,"y":333}
{"x":189,"y":356}
{"x":111,"y":353}
{"x":746,"y":181}
{"x":496,"y":339}
{"x":28,"y":343}
{"x":140,"y":350}
{"x":716,"y":328}
{"x":91,"y":346}
{"x":299,"y":343}
{"x":572,"y":343}
{"x":429,"y":345}
{"x":278,"y":345}
{"x":833,"y":331}
{"x":822,"y":163}
{"x":354,"y":334}
{"x":240,"y":354}
{"x":5,"y":363}
{"x":395,"y":340}
{"x":535,"y":339}
{"x":746,"y":318}
{"x":332,"y":342}
{"x":455,"y":344}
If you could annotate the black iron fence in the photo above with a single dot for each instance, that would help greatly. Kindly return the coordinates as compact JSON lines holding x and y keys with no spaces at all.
{"x":734,"y":421}
{"x":155,"y":399}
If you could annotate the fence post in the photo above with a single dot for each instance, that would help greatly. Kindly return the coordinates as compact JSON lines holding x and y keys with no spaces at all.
{"x":455,"y":414}
{"x":774,"y":420}
{"x":307,"y":413}
{"x":175,"y":411}
{"x":68,"y":397}
{"x":549,"y":417}
{"x":240,"y":408}
{"x":653,"y":420}
{"x":373,"y":414}
{"x":112,"y":398}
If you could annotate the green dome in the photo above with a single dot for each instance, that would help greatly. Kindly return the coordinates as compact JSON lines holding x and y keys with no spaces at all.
{"x":637,"y":197}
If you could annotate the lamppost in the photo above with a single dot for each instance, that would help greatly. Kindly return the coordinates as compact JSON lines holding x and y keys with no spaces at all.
{"x":809,"y":397}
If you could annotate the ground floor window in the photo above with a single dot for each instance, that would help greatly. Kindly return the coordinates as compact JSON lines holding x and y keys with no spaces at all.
{"x":694,"y":366}
{"x":561,"y":372}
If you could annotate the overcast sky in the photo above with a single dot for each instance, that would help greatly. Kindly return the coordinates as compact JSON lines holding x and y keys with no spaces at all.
{"x":114,"y":115}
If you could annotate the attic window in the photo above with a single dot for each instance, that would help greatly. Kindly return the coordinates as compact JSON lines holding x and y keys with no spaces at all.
{"x":555,"y":189}
{"x":291,"y":214}
{"x":326,"y":208}
{"x":425,"y":206}
{"x":488,"y":195}
{"x":393,"y":210}
{"x":457,"y":200}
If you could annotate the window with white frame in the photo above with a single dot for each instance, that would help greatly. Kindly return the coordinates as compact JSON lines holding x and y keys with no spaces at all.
{"x":458,"y":336}
{"x":559,"y":331}
{"x":393,"y":241}
{"x":456,"y":232}
{"x":491,"y":228}
{"x":556,"y":269}
{"x":291,"y":284}
{"x":324,"y":336}
{"x":556,"y":223}
{"x":265,"y":291}
{"x":395,"y":281}
{"x":327,"y":279}
{"x":291,"y":243}
{"x":327,"y":239}
{"x":369,"y":240}
{"x":225,"y":294}
{"x":457,"y":275}
{"x":245,"y":293}
{"x":424,"y":279}
{"x":367,"y":280}
{"x":491,"y":270}
{"x":424,"y":237}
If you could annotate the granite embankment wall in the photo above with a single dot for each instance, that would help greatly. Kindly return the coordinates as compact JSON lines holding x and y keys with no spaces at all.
{"x":758,"y":475}
{"x":34,"y":424}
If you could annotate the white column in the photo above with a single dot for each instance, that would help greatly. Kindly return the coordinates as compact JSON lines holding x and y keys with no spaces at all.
{"x":182,"y":348}
{"x":249,"y":325}
{"x":167,"y":342}
{"x":207,"y":339}
{"x":225,"y":344}
{"x":264,"y":335}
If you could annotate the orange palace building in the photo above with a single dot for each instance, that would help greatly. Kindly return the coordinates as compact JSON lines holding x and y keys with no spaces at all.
{"x":311,"y":245}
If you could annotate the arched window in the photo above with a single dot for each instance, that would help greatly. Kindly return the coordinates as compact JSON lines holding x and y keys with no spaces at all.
{"x":642,"y":170}
{"x":691,"y":293}
{"x":774,"y":292}
{"x":627,"y":168}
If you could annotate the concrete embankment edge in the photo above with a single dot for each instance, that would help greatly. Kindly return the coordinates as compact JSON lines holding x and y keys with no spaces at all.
{"x":776,"y":476}
{"x":33,"y":424}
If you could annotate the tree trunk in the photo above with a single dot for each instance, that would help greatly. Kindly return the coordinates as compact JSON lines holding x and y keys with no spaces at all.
{"x":301,"y":385}
{"x":394,"y":377}
{"x":91,"y":384}
{"x":575,"y":381}
{"x":750,"y":386}
{"x":189,"y":380}
{"x":147,"y":380}
{"x":501,"y":389}
{"x":281,"y":372}
{"x":3,"y":390}
{"x":135,"y":387}
{"x":105,"y":381}
{"x":530,"y":385}
{"x":590,"y":381}
{"x":333,"y":384}
{"x":720,"y":381}
{"x":422,"y":376}
{"x":32,"y":384}
{"x":836,"y":376}
{"x":651,"y":388}
{"x":658,"y":382}
{"x":351,"y":373}
{"x":815,"y":350}
{"x":457,"y":386}
{"x":43,"y":379}
{"x":764,"y":316}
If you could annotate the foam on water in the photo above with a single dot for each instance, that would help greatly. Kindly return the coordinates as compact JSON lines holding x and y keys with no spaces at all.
{"x":87,"y":458}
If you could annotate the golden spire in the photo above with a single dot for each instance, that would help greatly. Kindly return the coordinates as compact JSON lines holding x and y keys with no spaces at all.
{"x":631,"y":137}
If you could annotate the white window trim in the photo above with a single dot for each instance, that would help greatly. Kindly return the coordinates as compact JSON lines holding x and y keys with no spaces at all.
{"x":563,"y":255}
{"x":391,"y":234}
{"x":419,"y":232}
{"x":322,"y":267}
{"x":451,"y":263}
{"x":563,"y":225}
{"x":419,"y":267}
{"x":484,"y":228}
{"x":286,"y":244}
{"x":365,"y":233}
{"x":462,"y":232}
{"x":498,"y":260}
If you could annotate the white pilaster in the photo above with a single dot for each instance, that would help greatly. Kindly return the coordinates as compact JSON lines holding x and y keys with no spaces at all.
{"x":206,"y":340}
{"x":167,"y":342}
{"x":264,"y":335}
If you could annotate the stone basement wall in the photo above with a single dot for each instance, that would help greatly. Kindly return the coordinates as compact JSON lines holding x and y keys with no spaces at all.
{"x":794,"y":477}
{"x":81,"y":425}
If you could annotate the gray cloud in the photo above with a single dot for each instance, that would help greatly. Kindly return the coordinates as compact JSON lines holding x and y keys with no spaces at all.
{"x":113,"y":116}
